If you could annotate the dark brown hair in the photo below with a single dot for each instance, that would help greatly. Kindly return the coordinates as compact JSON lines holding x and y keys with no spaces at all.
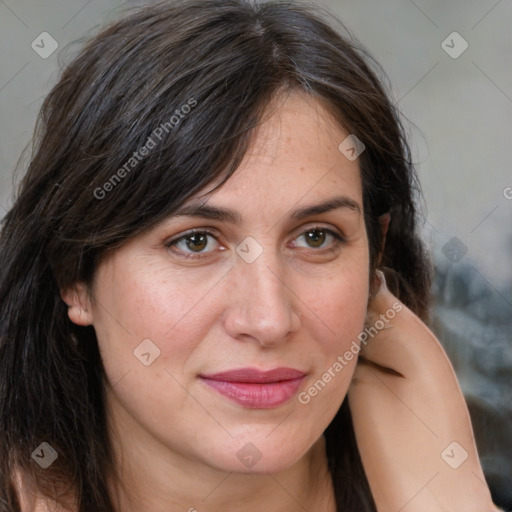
{"x":230,"y":57}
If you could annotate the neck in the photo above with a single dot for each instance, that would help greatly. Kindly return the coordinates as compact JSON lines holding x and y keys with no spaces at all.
{"x":154,"y":478}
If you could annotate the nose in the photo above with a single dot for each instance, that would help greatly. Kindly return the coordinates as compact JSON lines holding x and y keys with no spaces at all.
{"x":262,"y":306}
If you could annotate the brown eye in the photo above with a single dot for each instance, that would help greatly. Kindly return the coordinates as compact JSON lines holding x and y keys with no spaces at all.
{"x":193,"y":243}
{"x":315,"y":237}
{"x":319,"y":238}
{"x":196,"y":242}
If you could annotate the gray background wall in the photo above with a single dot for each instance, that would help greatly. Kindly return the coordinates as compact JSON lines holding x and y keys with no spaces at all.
{"x":460,"y":112}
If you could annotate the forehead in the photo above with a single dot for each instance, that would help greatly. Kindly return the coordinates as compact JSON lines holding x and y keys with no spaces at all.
{"x":293,"y":157}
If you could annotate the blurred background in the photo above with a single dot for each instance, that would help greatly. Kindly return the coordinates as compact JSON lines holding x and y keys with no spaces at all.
{"x":449,"y":65}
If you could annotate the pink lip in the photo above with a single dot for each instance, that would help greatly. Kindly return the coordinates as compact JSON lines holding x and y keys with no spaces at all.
{"x":256,"y":389}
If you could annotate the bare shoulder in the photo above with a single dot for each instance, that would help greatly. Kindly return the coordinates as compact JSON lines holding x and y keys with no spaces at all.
{"x":30,"y":501}
{"x":26,"y":498}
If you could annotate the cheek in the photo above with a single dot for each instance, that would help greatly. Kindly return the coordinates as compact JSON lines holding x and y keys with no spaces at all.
{"x":339,"y":307}
{"x":143,"y":311}
{"x":339,"y":319}
{"x":148,"y":327}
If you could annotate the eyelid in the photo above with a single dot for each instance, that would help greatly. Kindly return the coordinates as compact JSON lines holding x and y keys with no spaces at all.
{"x":190,"y":232}
{"x":339,"y":239}
{"x":211,"y":231}
{"x":319,"y":226}
{"x":334,"y":232}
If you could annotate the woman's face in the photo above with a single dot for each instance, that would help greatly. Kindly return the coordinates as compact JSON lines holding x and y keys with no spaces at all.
{"x":271,"y":287}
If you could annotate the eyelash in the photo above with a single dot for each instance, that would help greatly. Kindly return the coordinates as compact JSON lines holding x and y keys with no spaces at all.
{"x":339,"y":239}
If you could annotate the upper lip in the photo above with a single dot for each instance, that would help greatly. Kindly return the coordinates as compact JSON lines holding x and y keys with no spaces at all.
{"x":255,"y":375}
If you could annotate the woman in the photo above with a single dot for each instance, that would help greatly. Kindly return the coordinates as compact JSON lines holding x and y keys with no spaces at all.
{"x":193,"y":315}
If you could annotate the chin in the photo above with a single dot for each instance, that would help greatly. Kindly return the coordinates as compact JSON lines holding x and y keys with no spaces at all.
{"x":259,"y":457}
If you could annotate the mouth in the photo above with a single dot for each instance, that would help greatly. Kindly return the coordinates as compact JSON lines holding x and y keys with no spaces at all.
{"x":256,"y":389}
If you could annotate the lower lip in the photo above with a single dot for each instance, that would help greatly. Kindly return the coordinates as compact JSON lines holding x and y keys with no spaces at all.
{"x":254,"y":395}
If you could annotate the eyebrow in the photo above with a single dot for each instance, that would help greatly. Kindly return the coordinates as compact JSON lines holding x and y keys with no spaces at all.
{"x":234,"y":217}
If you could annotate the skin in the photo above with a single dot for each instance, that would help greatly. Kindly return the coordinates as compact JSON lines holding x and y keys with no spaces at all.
{"x":296,"y":305}
{"x":410,"y":418}
{"x":176,"y":440}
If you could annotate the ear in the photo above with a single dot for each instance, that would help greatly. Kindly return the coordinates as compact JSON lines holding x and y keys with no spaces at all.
{"x":384,"y":221}
{"x":79,"y":304}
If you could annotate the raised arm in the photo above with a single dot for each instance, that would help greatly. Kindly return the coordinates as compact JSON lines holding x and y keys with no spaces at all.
{"x":411,"y":421}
